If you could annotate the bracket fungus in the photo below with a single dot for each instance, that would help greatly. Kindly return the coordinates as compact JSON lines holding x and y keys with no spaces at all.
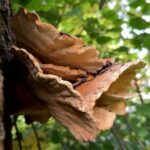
{"x":62,"y":78}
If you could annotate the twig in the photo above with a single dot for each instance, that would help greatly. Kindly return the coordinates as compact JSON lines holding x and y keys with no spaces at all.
{"x":127,"y":121}
{"x":134,"y":132}
{"x":138,"y":91}
{"x":17,"y":132}
{"x":119,"y":141}
{"x":102,"y":4}
{"x":37,"y":138}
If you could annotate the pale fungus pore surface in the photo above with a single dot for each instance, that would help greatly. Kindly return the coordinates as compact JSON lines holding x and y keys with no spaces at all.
{"x":67,"y":80}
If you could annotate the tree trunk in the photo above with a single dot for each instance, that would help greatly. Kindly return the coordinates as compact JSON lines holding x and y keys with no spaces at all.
{"x":1,"y":114}
{"x":5,"y":44}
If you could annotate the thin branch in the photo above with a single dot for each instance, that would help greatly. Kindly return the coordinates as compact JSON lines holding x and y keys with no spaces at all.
{"x":17,"y":133}
{"x":102,"y":4}
{"x":134,"y":132}
{"x":37,"y":138}
{"x":138,"y":91}
{"x":118,"y":139}
{"x":82,"y":29}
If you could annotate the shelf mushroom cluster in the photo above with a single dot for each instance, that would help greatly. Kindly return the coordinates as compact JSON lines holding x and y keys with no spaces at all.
{"x":61,"y":77}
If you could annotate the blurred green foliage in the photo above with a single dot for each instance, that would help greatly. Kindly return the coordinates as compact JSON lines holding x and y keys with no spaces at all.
{"x":118,"y":29}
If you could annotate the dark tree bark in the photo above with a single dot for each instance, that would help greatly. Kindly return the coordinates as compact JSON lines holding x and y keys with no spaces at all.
{"x":2,"y":135}
{"x":5,"y":44}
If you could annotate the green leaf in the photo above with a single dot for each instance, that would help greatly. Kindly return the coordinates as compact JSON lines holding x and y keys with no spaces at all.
{"x":56,"y":137}
{"x":146,"y":41}
{"x":103,"y":39}
{"x":137,"y":41}
{"x":74,"y":12}
{"x":122,"y":49}
{"x":40,"y":5}
{"x":136,"y":3}
{"x":52,"y":16}
{"x":144,"y":109}
{"x":138,"y":23}
{"x":142,"y":132}
{"x":146,"y":9}
{"x":141,"y":40}
{"x":114,"y":29}
{"x":110,"y":14}
{"x":24,"y":2}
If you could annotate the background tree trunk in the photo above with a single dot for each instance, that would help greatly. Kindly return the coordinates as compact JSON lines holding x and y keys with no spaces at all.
{"x":5,"y":44}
